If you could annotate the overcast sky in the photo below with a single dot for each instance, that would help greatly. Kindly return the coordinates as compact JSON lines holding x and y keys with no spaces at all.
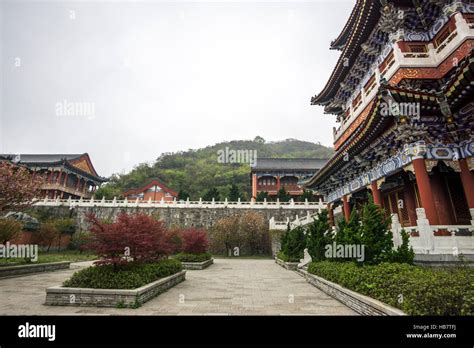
{"x":126,"y":81}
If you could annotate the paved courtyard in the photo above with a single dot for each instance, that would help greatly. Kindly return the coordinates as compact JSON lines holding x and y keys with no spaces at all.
{"x":228,"y":287}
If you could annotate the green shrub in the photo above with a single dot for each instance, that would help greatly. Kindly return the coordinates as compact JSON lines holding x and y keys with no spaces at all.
{"x":293,"y":243}
{"x":414,"y":290}
{"x":282,"y":256}
{"x":128,"y":276}
{"x":404,"y":253}
{"x":186,"y":257}
{"x":319,"y":235}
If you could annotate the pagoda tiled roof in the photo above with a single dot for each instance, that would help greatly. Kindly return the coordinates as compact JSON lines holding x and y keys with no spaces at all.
{"x":307,"y":164}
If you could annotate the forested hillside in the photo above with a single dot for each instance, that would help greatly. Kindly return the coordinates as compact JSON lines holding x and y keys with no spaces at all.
{"x":194,"y":172}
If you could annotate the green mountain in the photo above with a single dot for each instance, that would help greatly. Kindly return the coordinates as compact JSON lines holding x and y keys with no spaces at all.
{"x":196,"y":171}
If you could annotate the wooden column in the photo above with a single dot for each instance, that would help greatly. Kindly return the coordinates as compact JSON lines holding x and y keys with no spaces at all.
{"x":330,"y":215}
{"x":426,"y":196}
{"x":467,"y":179}
{"x":254,"y":185}
{"x":278,"y":183}
{"x":376,"y":193}
{"x":346,"y":207}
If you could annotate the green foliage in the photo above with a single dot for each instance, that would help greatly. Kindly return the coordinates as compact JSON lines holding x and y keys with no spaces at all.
{"x":182,"y":195}
{"x":65,"y":225}
{"x":261,"y":196}
{"x":349,"y":232}
{"x":109,"y":191}
{"x":79,"y":240}
{"x":414,"y":290}
{"x":404,"y":253}
{"x":292,"y":243}
{"x":186,"y":257}
{"x":212,"y":193}
{"x":375,"y":234}
{"x":234,"y":193}
{"x":307,"y":195}
{"x":283,"y":196}
{"x":178,"y":170}
{"x":318,"y":236}
{"x":282,"y":256}
{"x":129,"y":276}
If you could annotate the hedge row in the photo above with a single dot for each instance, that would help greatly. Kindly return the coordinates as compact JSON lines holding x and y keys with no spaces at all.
{"x":130,"y":276}
{"x":414,"y":290}
{"x":186,"y":257}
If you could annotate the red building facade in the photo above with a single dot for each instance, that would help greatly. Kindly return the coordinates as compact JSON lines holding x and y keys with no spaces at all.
{"x":271,"y":174}
{"x":66,"y":175}
{"x":153,"y":191}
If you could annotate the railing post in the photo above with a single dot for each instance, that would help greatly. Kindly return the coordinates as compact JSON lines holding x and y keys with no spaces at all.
{"x":264,"y":202}
{"x":187,"y":202}
{"x":278,"y":202}
{"x":114,"y":201}
{"x":200,"y":202}
{"x":238,"y":201}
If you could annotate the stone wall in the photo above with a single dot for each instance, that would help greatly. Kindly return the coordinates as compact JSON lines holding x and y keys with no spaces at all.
{"x":175,"y":215}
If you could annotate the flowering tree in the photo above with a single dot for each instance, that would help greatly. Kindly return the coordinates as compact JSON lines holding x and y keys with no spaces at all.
{"x":195,"y":241}
{"x":132,"y":238}
{"x":17,"y":187}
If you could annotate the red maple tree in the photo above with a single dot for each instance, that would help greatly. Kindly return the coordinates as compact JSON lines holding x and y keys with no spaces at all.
{"x":195,"y":241}
{"x":132,"y":238}
{"x":18,"y":187}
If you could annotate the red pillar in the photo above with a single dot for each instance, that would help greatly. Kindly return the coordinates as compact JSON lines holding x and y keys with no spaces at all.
{"x":254,"y":185}
{"x":467,"y":179}
{"x":278,"y":183}
{"x":376,"y":193}
{"x":330,"y":215}
{"x":346,"y":208}
{"x":426,"y":196}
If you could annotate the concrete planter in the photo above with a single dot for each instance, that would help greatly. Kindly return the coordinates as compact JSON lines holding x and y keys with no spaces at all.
{"x":362,"y":304}
{"x":292,"y":266}
{"x":20,"y":270}
{"x":61,"y":296}
{"x":197,"y":265}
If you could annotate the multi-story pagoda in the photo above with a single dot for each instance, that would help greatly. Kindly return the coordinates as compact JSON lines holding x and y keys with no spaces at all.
{"x":66,"y":176}
{"x":403,"y":94}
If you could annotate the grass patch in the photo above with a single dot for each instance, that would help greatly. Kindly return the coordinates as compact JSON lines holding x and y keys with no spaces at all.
{"x":130,"y":276}
{"x":413,"y":289}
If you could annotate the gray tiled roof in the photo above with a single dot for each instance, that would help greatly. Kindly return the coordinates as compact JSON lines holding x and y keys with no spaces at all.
{"x":289,"y":163}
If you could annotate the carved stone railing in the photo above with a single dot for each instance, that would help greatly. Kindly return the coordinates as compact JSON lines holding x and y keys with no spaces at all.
{"x":72,"y":203}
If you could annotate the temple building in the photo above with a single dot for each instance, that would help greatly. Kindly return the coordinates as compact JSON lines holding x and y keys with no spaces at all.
{"x":155,"y":190}
{"x":271,"y":174}
{"x":66,"y":176}
{"x":403,"y":95}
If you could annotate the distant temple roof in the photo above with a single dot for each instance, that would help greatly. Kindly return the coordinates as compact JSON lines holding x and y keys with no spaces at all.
{"x":80,"y":163}
{"x":154,"y":182}
{"x":289,"y":164}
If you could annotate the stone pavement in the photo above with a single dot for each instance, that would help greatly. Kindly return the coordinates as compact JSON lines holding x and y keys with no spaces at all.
{"x":228,"y":287}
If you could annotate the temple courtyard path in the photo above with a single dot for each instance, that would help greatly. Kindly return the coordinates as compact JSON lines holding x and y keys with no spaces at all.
{"x":228,"y":287}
